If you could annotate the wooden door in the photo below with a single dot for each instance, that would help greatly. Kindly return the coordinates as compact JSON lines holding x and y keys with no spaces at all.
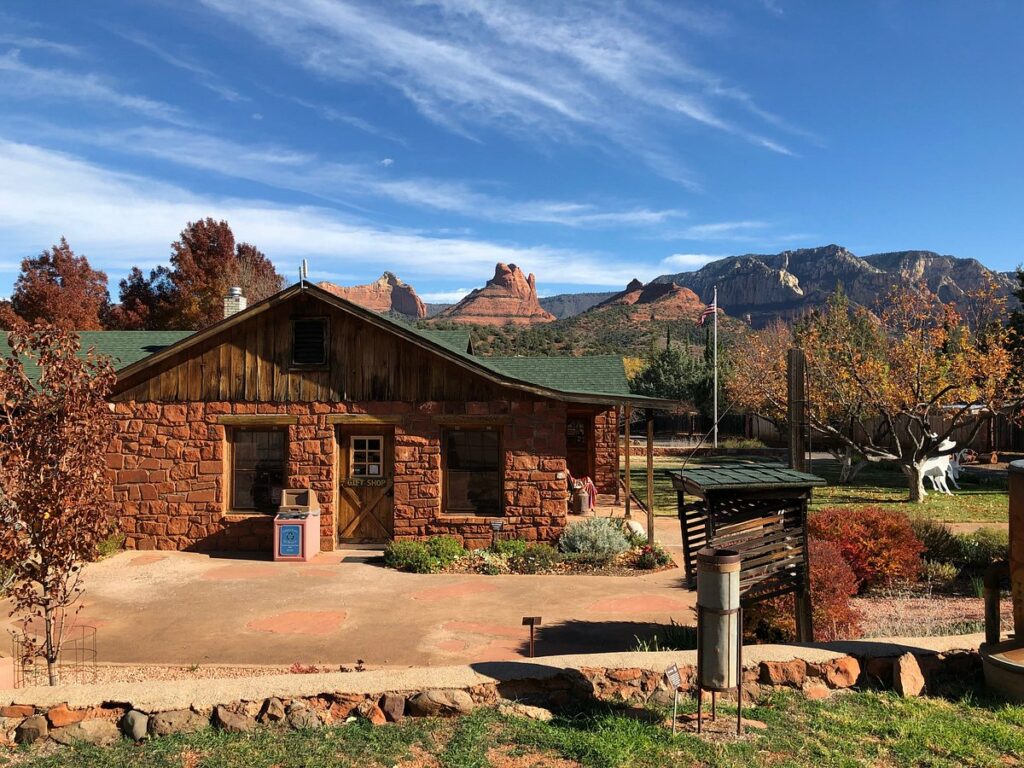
{"x":366,"y":484}
{"x":579,"y":444}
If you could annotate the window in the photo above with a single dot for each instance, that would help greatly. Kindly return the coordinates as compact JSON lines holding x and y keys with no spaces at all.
{"x":473,"y":471}
{"x":367,"y":454}
{"x":309,"y":341}
{"x":258,"y":460}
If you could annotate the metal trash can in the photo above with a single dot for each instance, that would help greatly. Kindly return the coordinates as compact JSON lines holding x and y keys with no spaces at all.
{"x":719,"y":627}
{"x":297,"y":526}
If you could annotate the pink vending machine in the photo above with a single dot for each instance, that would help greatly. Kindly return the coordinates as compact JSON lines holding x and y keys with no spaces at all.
{"x":297,"y":526}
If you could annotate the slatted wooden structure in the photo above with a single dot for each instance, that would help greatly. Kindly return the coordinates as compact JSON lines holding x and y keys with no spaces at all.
{"x":758,"y":510}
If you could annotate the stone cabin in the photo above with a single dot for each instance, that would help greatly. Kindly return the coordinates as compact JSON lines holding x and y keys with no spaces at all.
{"x":401,"y":432}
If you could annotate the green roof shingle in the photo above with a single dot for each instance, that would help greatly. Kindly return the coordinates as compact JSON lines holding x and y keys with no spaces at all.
{"x":730,"y":477}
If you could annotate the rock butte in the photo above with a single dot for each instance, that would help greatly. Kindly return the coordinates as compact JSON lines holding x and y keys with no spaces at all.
{"x":387,"y":294}
{"x":510,"y":297}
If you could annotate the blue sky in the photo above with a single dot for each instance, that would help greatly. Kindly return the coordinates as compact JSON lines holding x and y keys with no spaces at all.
{"x":588,"y":142}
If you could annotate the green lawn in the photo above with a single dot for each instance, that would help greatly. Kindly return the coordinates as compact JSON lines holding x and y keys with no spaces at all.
{"x":858,"y":729}
{"x":983,"y":497}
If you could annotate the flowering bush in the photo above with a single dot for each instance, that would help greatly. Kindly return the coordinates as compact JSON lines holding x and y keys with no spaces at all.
{"x":595,"y":539}
{"x":879,"y":545}
{"x":833,"y":583}
{"x":653,"y":556}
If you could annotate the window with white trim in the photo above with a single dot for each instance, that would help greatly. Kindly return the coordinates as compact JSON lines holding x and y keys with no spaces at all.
{"x":367,"y":456}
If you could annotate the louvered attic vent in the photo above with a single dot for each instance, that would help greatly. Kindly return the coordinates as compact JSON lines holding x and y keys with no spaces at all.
{"x":309,"y":342}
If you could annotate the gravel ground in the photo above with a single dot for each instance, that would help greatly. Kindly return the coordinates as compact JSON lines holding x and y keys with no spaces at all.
{"x":132,"y":673}
{"x":925,"y":615}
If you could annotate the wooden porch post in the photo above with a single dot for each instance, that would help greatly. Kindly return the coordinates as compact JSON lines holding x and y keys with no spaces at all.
{"x":650,"y":475}
{"x":629,"y":479}
{"x":618,"y":454}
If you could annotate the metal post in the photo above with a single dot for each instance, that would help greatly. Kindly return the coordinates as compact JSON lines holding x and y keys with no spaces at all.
{"x":715,"y":357}
{"x":650,"y":475}
{"x":629,"y":477}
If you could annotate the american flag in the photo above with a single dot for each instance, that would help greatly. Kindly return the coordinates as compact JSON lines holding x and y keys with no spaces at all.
{"x":709,"y":311}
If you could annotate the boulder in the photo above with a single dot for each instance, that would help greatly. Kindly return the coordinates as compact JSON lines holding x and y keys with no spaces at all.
{"x":60,"y":716}
{"x":31,"y":730}
{"x":368,"y":710}
{"x":135,"y":725}
{"x":907,"y":679}
{"x":515,"y":709}
{"x":393,"y":706}
{"x":637,"y":529}
{"x":842,"y":673}
{"x":232,"y":722}
{"x":440,"y":702}
{"x":17,"y":711}
{"x":272,"y":711}
{"x":790,"y":673}
{"x":303,"y":719}
{"x":176,"y":721}
{"x":99,"y":733}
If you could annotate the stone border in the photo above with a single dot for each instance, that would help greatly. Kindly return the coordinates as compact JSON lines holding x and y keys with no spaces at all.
{"x":102,"y":714}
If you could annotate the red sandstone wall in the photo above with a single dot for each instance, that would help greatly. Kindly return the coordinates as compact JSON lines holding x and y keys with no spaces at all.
{"x":606,"y":446}
{"x":169,"y":488}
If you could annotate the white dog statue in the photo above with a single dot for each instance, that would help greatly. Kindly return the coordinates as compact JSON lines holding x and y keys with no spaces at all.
{"x":938,"y":468}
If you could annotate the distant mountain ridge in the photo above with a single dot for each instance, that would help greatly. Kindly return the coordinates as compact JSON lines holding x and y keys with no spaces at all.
{"x":762,"y":287}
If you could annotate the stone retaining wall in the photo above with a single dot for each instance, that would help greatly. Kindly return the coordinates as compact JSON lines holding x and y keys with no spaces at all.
{"x":101,"y":714}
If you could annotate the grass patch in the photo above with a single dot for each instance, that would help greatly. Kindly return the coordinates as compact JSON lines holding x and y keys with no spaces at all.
{"x":983,"y":498}
{"x":856,"y":729}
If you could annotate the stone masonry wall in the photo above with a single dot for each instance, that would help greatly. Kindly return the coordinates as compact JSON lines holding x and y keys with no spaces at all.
{"x":167,"y":464}
{"x":606,"y":446}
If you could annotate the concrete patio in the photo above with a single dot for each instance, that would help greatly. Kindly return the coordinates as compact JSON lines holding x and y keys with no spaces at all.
{"x":187,"y":608}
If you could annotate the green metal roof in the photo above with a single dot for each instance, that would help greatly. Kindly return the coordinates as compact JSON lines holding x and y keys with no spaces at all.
{"x":457,"y":341}
{"x":732,"y":477}
{"x":596,"y":373}
{"x":123,"y":347}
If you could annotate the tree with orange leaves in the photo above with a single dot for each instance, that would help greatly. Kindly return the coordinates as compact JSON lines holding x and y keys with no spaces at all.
{"x":60,"y":288}
{"x":55,"y":426}
{"x":892,"y":386}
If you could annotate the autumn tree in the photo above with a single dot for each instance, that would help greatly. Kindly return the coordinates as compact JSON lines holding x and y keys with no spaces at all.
{"x":145,"y":303}
{"x":891,"y":387}
{"x":205,"y":262}
{"x":55,"y":426}
{"x":8,"y":317}
{"x":60,"y":288}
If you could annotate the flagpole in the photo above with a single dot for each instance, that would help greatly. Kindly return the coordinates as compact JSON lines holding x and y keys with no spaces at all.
{"x":715,"y":356}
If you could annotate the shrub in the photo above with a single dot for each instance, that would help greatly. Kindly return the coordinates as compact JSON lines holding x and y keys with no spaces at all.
{"x":490,"y":563}
{"x":983,"y":547}
{"x":110,"y":545}
{"x":596,"y":540}
{"x":879,"y":545}
{"x":671,"y":637}
{"x":535,"y":558}
{"x":940,"y":544}
{"x":938,"y":573}
{"x":411,"y":556}
{"x":509,"y":547}
{"x":6,"y":579}
{"x":445,"y":549}
{"x":833,"y":583}
{"x":653,"y":556}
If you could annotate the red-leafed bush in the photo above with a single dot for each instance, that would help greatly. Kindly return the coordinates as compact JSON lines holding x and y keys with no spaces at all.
{"x":879,"y":545}
{"x":833,"y":583}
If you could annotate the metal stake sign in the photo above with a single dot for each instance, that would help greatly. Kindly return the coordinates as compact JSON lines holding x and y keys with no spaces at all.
{"x":673,"y":678}
{"x":531,"y":622}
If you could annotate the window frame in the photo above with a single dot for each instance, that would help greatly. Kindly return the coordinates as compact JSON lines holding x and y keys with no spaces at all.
{"x":232,"y":482}
{"x":325,"y":362}
{"x":446,"y":471}
{"x":352,"y":450}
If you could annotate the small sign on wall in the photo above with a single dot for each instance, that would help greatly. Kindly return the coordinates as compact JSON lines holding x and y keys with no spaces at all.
{"x":364,"y":482}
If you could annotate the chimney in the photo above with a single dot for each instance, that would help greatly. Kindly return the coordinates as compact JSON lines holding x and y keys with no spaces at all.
{"x":234,"y":302}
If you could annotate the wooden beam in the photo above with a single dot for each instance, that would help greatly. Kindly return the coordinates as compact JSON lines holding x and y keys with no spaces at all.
{"x":361,"y":418}
{"x":629,"y":477}
{"x":457,"y":420}
{"x":650,"y":474}
{"x":257,"y":419}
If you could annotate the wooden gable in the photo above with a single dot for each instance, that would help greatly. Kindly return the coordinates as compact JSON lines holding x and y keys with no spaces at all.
{"x":251,"y":361}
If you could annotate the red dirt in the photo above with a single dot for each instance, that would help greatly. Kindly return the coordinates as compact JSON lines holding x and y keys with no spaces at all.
{"x":439,"y":594}
{"x":637,"y":604}
{"x":300,"y":622}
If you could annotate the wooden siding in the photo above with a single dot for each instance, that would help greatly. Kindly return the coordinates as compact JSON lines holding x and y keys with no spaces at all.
{"x":250,"y":362}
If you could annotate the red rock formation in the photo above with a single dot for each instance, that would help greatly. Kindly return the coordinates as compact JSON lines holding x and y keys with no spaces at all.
{"x":387,"y":294}
{"x":510,"y":297}
{"x":668,"y":300}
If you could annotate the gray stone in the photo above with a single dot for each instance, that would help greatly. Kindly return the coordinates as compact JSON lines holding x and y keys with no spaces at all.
{"x":176,"y":721}
{"x":441,"y":702}
{"x":393,"y":705}
{"x":31,"y":729}
{"x":515,"y":709}
{"x":232,"y":722}
{"x":135,"y":725}
{"x":99,"y":733}
{"x":272,"y":711}
{"x":303,"y":719}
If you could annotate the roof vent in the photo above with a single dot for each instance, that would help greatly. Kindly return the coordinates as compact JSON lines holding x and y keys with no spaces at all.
{"x":234,"y":302}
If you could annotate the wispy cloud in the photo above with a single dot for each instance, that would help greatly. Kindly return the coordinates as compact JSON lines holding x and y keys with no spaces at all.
{"x":357,"y":185}
{"x":445,"y":297}
{"x":687,"y":261}
{"x":38,"y":43}
{"x":205,"y":77}
{"x":22,"y":79}
{"x":549,"y":70}
{"x":120,"y":220}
